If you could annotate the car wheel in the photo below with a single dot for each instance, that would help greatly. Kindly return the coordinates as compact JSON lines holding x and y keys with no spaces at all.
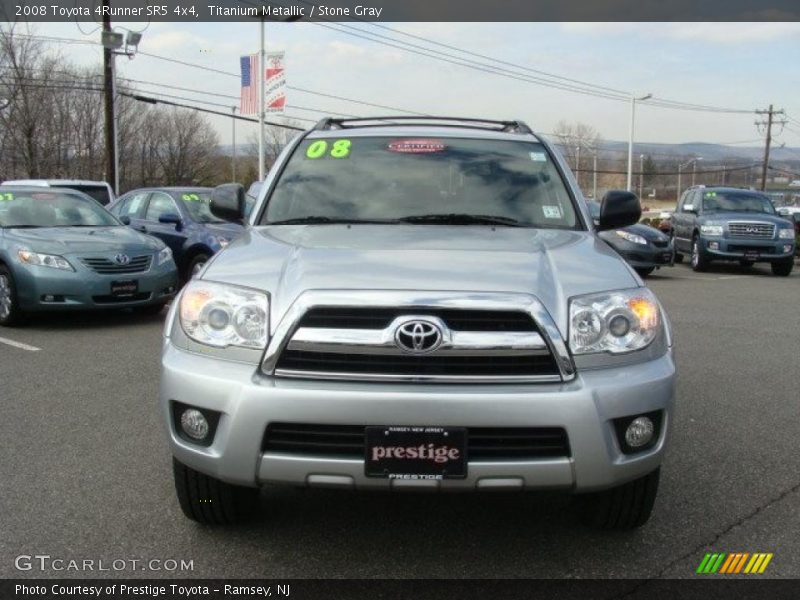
{"x":624,"y":507}
{"x":197,"y":264}
{"x":10,"y":313}
{"x":699,"y":261}
{"x":210,"y":501}
{"x":746,"y":263}
{"x":645,"y":272}
{"x":783,"y":268}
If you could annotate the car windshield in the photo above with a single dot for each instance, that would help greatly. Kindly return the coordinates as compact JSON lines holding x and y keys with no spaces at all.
{"x":198,"y":203}
{"x":51,"y":209}
{"x":736,"y":202}
{"x":421,"y":180}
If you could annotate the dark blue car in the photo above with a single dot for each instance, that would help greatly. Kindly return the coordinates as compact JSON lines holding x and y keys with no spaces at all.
{"x":181,"y":217}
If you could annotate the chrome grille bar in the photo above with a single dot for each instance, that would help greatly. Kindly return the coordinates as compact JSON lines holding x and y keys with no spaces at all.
{"x":753,"y":230}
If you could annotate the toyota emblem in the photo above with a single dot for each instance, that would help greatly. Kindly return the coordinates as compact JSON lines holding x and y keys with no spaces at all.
{"x":122,"y":259}
{"x":418,"y":336}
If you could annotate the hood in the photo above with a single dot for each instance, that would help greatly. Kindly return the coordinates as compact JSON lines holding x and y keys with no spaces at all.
{"x":226,"y":230}
{"x":742,"y":216}
{"x":549,"y":264}
{"x":79,"y":240}
{"x":646,"y":231}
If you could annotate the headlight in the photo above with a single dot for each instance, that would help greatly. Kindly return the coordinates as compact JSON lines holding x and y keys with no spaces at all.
{"x":44,"y":260}
{"x":631,"y":237}
{"x":224,"y":315}
{"x":613,"y":322}
{"x":710,"y":229}
{"x":785,"y":234}
{"x":163,"y":255}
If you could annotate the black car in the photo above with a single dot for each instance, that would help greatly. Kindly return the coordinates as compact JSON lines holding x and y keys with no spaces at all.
{"x":645,"y":248}
{"x":181,"y":217}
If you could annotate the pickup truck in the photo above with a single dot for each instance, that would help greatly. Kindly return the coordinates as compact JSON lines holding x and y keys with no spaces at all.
{"x":419,"y":304}
{"x":732,"y":224}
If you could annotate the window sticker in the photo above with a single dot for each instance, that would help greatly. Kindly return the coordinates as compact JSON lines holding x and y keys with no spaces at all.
{"x":551,"y":212}
{"x":319,"y":149}
{"x":191,"y":197}
{"x":711,"y":194}
{"x":6,"y":197}
{"x":538,"y":157}
{"x":416,"y":146}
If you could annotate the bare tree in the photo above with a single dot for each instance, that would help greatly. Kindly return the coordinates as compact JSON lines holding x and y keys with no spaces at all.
{"x":187,"y":149}
{"x":577,"y":140}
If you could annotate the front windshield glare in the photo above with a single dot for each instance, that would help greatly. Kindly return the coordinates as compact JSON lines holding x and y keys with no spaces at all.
{"x":736,"y":202}
{"x":51,"y":209}
{"x":391,"y":179}
{"x":199,"y":206}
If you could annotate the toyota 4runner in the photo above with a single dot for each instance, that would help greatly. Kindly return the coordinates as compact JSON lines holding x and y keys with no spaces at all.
{"x":419,"y":304}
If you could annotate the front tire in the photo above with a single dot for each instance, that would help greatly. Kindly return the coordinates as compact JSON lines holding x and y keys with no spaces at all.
{"x":210,"y":501}
{"x":624,"y":507}
{"x":783,"y":268}
{"x":644,"y":272}
{"x":196,"y":265}
{"x":699,"y":260}
{"x":10,"y":313}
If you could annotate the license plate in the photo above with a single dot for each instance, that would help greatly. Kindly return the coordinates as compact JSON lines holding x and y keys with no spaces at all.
{"x":751,"y":254}
{"x":400,"y":452}
{"x":124,"y":288}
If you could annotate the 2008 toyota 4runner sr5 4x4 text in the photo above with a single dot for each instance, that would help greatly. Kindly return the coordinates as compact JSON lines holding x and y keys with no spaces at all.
{"x":417,"y":304}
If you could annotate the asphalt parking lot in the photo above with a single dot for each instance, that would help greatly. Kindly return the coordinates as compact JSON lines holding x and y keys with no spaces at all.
{"x":86,"y":472}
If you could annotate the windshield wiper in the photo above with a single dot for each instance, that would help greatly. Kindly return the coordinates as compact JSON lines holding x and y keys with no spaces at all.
{"x":24,"y":226}
{"x":462,"y":219}
{"x":317,"y":220}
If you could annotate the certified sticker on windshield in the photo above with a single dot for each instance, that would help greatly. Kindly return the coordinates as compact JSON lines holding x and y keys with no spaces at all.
{"x":551,"y":212}
{"x":538,"y":157}
{"x":416,"y":146}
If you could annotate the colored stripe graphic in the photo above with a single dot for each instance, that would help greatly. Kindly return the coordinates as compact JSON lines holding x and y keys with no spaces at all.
{"x":734,"y":563}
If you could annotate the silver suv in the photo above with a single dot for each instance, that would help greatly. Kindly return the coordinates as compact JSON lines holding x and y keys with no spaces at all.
{"x":419,"y":304}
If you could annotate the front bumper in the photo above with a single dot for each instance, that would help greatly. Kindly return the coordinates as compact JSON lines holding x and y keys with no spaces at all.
{"x":248,"y":401}
{"x":644,"y":257}
{"x":742,"y":249}
{"x":84,"y":289}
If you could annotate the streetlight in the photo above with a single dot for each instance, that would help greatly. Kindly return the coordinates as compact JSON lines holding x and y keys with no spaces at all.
{"x":641,"y":174}
{"x":113,"y":41}
{"x":233,"y":132}
{"x":634,"y":100}
{"x":680,"y":166}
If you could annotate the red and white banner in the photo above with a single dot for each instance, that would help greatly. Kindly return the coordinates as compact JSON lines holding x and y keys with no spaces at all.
{"x":275,"y":84}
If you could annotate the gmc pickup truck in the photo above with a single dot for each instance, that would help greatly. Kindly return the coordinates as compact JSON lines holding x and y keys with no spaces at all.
{"x":419,"y":304}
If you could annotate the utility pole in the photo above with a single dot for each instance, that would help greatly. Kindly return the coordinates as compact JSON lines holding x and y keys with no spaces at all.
{"x":771,"y":112}
{"x":108,"y":88}
{"x":262,"y":73}
{"x":578,"y":163}
{"x":233,"y":132}
{"x":641,"y":175}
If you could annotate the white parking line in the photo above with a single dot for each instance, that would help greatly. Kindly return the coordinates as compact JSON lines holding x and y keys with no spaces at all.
{"x":19,"y":345}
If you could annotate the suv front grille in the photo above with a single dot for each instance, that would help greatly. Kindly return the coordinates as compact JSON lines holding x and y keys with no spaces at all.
{"x":424,"y":365}
{"x":761,"y":231}
{"x":380,"y":318}
{"x":488,"y":444}
{"x":105,"y":266}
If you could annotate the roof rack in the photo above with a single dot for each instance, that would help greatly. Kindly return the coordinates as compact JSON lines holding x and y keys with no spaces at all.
{"x":515,"y":126}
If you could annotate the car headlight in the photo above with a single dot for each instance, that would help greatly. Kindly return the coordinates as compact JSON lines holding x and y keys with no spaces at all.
{"x":163,"y":255}
{"x":631,"y":237}
{"x":785,"y":234}
{"x":223,"y":315}
{"x":44,"y":260}
{"x":615,"y":322}
{"x":711,"y":229}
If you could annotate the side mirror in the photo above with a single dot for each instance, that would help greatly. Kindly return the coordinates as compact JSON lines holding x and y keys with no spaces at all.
{"x":228,"y":202}
{"x":125,"y":220}
{"x":172,"y":218}
{"x":619,"y":209}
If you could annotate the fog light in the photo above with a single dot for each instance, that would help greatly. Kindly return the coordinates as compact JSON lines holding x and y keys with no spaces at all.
{"x":195,"y":425}
{"x":787,"y":248}
{"x":713,"y":245}
{"x":639,"y":433}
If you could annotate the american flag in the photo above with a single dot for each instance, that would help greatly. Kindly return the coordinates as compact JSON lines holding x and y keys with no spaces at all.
{"x":248,"y":103}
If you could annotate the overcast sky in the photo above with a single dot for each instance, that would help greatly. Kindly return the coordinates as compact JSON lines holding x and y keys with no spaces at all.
{"x":738,"y":65}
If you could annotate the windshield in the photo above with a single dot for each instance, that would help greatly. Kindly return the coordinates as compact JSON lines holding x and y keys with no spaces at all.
{"x":51,"y":209}
{"x":430,"y":180}
{"x":737,"y":202}
{"x":198,"y":203}
{"x":98,"y":192}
